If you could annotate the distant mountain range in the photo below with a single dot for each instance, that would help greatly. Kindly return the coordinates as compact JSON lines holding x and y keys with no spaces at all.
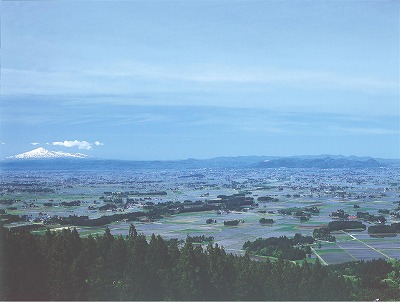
{"x":47,"y":160}
{"x":321,"y":163}
{"x":41,"y":153}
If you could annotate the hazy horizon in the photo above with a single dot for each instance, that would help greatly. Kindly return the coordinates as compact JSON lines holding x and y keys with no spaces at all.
{"x":169,"y":80}
{"x":208,"y":158}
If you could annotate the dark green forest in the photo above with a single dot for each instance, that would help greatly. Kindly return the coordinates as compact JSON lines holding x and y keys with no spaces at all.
{"x":289,"y":249}
{"x":63,"y":266}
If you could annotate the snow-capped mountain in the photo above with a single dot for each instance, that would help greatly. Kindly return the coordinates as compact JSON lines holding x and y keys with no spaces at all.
{"x":40,"y":153}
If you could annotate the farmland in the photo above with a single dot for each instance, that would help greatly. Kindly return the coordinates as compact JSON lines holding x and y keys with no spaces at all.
{"x":278,"y":194}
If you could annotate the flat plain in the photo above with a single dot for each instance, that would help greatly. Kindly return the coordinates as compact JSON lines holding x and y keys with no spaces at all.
{"x":38,"y":195}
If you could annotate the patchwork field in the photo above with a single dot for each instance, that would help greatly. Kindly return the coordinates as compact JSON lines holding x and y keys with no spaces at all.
{"x":328,"y":190}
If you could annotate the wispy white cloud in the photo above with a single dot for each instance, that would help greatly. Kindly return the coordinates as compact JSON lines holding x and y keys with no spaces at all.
{"x":366,"y":130}
{"x":34,"y":144}
{"x":251,"y":121}
{"x":285,"y":77}
{"x":126,"y":75}
{"x":97,"y":143}
{"x":140,"y":118}
{"x":212,"y":73}
{"x":271,"y":122}
{"x":134,"y":84}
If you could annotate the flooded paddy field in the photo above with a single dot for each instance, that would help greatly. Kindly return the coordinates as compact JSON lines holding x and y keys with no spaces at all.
{"x":40,"y":195}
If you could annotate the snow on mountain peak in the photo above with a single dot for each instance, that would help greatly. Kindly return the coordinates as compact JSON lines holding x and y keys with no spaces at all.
{"x":43,"y":153}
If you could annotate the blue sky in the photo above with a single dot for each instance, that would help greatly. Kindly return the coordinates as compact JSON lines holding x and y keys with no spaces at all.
{"x":199,"y":79}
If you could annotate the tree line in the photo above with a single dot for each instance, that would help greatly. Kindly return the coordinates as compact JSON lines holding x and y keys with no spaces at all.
{"x":296,"y":248}
{"x":64,"y":266}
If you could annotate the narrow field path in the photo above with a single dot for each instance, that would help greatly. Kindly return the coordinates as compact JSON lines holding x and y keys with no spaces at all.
{"x":319,"y":257}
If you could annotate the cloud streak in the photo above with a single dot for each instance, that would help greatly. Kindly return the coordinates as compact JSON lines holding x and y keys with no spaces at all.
{"x":92,"y":79}
{"x":366,"y":131}
{"x":207,"y":85}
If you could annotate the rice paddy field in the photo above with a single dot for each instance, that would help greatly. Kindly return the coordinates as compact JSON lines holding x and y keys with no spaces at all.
{"x":367,"y":190}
